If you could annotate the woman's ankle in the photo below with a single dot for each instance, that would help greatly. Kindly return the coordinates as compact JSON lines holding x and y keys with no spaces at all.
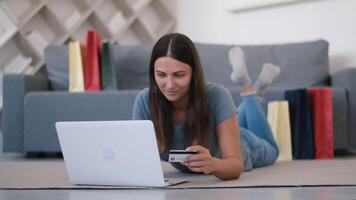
{"x":248,"y":90}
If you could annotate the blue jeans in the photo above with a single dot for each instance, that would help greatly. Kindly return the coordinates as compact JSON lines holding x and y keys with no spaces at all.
{"x":258,"y":146}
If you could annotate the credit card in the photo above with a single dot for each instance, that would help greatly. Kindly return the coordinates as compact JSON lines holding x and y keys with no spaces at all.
{"x":179,"y":155}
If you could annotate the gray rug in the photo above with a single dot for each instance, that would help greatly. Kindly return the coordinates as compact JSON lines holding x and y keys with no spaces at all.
{"x":51,"y":174}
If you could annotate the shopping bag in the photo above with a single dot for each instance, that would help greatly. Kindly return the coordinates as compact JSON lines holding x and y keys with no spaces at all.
{"x":108,"y":69}
{"x":301,"y":124}
{"x":279,"y":120}
{"x":321,"y":105}
{"x":76,"y":79}
{"x":92,"y":62}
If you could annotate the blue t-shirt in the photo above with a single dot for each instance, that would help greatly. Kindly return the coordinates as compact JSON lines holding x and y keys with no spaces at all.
{"x":221,"y":107}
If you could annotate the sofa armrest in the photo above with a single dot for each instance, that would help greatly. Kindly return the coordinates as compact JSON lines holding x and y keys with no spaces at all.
{"x":346,"y":79}
{"x":15,"y":87}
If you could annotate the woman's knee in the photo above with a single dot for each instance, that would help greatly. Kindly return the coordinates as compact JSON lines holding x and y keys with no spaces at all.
{"x":269,"y":156}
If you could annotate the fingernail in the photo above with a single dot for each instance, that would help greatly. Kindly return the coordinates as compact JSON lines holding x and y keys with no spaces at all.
{"x":187,"y":149}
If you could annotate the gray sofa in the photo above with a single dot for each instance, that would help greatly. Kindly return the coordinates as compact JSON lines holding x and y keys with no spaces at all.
{"x":32,"y":104}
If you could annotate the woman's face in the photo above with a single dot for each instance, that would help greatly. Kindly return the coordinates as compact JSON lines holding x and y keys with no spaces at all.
{"x":173,"y":78}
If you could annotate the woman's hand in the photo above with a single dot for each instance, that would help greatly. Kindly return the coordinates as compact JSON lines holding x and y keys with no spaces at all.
{"x":200,"y":162}
{"x":230,"y":165}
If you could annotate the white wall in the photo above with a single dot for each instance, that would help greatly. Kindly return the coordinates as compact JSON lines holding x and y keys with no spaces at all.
{"x":333,"y":20}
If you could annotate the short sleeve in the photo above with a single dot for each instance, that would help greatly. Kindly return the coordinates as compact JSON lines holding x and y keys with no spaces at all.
{"x":141,"y":109}
{"x":220,"y":102}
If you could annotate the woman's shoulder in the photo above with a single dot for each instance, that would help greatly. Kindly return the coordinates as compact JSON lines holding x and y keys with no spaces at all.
{"x":220,"y":102}
{"x":143,"y":94}
{"x":214,"y":89}
{"x":142,"y":98}
{"x":141,"y":108}
{"x":218,"y":95}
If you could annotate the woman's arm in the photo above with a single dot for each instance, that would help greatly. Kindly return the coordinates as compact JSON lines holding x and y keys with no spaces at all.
{"x":230,"y":165}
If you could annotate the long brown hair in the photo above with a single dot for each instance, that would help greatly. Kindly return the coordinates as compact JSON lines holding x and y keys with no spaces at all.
{"x":179,"y":47}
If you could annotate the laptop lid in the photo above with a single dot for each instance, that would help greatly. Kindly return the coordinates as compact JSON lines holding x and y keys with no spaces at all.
{"x":120,"y":153}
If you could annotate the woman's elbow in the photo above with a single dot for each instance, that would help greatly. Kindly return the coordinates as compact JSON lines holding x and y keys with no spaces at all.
{"x":238,"y":171}
{"x":235,"y":173}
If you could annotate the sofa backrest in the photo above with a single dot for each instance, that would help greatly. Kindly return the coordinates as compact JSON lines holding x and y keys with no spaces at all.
{"x":302,"y":64}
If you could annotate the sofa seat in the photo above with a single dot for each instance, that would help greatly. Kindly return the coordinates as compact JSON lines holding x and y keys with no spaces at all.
{"x":43,"y":109}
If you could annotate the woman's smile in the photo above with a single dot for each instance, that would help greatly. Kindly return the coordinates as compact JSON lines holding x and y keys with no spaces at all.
{"x":173,"y":78}
{"x":171,"y":93}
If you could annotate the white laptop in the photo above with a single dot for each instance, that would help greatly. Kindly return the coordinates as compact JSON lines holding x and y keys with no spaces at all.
{"x":112,"y":153}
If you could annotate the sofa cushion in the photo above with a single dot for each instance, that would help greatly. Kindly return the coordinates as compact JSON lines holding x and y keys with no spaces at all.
{"x":132,"y":62}
{"x":302,"y":64}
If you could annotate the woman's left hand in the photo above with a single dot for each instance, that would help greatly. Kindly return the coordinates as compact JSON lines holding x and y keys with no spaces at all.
{"x":200,"y":162}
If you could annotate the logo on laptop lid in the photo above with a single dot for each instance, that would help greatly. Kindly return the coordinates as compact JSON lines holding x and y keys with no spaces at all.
{"x":108,"y":154}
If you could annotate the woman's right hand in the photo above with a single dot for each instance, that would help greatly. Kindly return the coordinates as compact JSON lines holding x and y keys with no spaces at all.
{"x":202,"y":161}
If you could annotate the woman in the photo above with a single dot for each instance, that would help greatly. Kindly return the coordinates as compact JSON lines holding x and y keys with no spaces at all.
{"x":189,"y":114}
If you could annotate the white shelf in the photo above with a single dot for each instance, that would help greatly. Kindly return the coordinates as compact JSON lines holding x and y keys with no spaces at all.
{"x":135,"y":34}
{"x":29,"y":26}
{"x":43,"y":29}
{"x":17,"y":55}
{"x":156,"y":19}
{"x":92,"y":23}
{"x":129,"y":37}
{"x":92,"y":3}
{"x":137,"y":5}
{"x":38,"y":40}
{"x":7,"y":27}
{"x":68,"y":12}
{"x":112,"y":15}
{"x":21,"y":11}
